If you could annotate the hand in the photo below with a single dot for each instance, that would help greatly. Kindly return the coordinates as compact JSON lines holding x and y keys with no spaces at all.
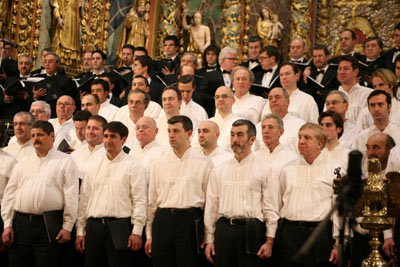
{"x":147,"y":247}
{"x":265,"y":250}
{"x":134,"y":242}
{"x":23,"y":95}
{"x":388,"y":247}
{"x":306,"y":73}
{"x":334,"y":257}
{"x":37,"y":93}
{"x":63,"y":236}
{"x":210,"y":251}
{"x":121,"y":95}
{"x":3,"y":76}
{"x":61,"y":22}
{"x":80,"y":243}
{"x":8,"y":236}
{"x":166,"y":71}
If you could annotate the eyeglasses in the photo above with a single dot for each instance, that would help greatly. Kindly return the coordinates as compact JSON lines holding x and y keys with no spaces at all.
{"x":21,"y":123}
{"x":224,"y":96}
{"x":334,"y":102}
{"x":231,"y":58}
{"x":264,"y":58}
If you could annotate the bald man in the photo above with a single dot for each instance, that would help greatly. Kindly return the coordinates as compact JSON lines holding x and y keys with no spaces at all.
{"x":147,"y":149}
{"x":63,"y":124}
{"x":208,"y":133}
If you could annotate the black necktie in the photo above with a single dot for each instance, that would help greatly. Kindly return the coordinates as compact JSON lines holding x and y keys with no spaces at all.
{"x":253,"y":60}
{"x":225,"y":71}
{"x":125,"y":68}
{"x":396,"y":49}
{"x":318,"y":72}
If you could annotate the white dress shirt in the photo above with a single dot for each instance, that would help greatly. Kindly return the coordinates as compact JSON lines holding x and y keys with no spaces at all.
{"x":267,"y":78}
{"x":219,"y":155}
{"x":150,"y":152}
{"x":194,"y":111}
{"x":177,"y":183}
{"x":19,"y":151}
{"x":307,"y":189}
{"x":62,"y":131}
{"x":108,"y":110}
{"x":131,"y":140}
{"x":42,"y":184}
{"x":83,"y":157}
{"x":394,"y":160}
{"x":350,"y":133}
{"x":357,"y":100}
{"x":153,"y":111}
{"x":162,"y":135}
{"x":7,"y":163}
{"x":339,"y":153}
{"x":241,"y":190}
{"x":365,"y":119}
{"x":225,"y":127}
{"x":301,"y":105}
{"x":106,"y":192}
{"x":249,"y":106}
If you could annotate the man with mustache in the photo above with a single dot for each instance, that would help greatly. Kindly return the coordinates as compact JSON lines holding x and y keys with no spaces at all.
{"x":239,"y":199}
{"x":42,"y":183}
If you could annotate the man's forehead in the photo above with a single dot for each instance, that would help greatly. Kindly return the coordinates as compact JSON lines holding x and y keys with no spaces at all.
{"x":269,"y":121}
{"x":240,"y":128}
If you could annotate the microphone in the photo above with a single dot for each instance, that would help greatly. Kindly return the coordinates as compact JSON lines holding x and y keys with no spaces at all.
{"x":354,"y":174}
{"x":7,"y":42}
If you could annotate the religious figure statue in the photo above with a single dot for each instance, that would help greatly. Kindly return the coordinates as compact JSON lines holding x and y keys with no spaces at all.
{"x":67,"y":16}
{"x":276,"y":33}
{"x":200,"y":35}
{"x":5,"y":13}
{"x":134,"y":30}
{"x":264,"y":25}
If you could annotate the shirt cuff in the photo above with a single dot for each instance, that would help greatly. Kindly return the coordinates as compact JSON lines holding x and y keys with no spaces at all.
{"x":7,"y":223}
{"x":68,"y":226}
{"x":209,"y":239}
{"x":271,"y":230}
{"x":387,"y":234}
{"x":137,"y":230}
{"x":80,"y":231}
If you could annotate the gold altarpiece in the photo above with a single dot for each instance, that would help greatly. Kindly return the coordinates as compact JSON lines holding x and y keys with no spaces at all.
{"x":314,"y":21}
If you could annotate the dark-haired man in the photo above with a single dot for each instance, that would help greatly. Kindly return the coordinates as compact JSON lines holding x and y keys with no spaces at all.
{"x":101,"y":88}
{"x":391,"y":55}
{"x":255,"y":46}
{"x":347,"y":42}
{"x":27,"y":198}
{"x":234,"y":209}
{"x":124,"y":206}
{"x":176,"y":199}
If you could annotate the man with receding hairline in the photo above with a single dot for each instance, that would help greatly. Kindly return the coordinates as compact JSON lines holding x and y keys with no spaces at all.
{"x":208,"y":134}
{"x":22,"y":123}
{"x":90,"y":103}
{"x":63,"y":123}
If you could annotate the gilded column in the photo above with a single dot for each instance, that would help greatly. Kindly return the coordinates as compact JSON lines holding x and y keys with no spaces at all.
{"x":168,"y":24}
{"x":301,"y":20}
{"x":232,"y":24}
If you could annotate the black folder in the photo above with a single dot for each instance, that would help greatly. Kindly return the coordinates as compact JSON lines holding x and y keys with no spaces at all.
{"x":53,"y":221}
{"x":120,"y":231}
{"x":199,"y":228}
{"x":255,"y":235}
{"x":64,"y":146}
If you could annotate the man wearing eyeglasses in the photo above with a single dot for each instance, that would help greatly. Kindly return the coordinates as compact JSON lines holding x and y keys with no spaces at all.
{"x":214,"y":79}
{"x":22,"y":128}
{"x":269,"y":76}
{"x":63,"y":124}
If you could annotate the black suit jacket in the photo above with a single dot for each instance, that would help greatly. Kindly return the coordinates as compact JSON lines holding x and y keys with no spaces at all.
{"x":358,"y":56}
{"x":9,"y":67}
{"x":8,"y":110}
{"x":38,"y":71}
{"x":329,"y":81}
{"x":255,"y":70}
{"x":275,"y":82}
{"x":56,"y":86}
{"x":212,"y":80}
{"x":388,"y":58}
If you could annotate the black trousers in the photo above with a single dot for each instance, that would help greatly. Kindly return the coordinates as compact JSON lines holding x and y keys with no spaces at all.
{"x":31,"y":245}
{"x":230,"y":246}
{"x":292,"y":235}
{"x":100,"y":249}
{"x":3,"y":249}
{"x":174,"y":238}
{"x":140,"y":258}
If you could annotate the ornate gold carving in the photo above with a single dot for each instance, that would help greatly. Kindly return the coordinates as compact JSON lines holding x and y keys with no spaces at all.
{"x":168,"y":23}
{"x":245,"y":47}
{"x":95,"y":25}
{"x":336,"y":15}
{"x":301,"y":20}
{"x":231,"y":25}
{"x":26,"y":26}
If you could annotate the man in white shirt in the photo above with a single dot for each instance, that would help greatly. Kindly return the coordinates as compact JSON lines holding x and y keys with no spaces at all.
{"x":22,"y":122}
{"x":332,"y":123}
{"x":379,"y":104}
{"x":302,"y":105}
{"x":43,"y":181}
{"x":348,"y":71}
{"x":279,"y":103}
{"x":138,"y":101}
{"x":208,"y":134}
{"x":189,"y":108}
{"x":171,"y":102}
{"x":90,"y":103}
{"x":247,"y":105}
{"x":77,"y":133}
{"x":123,"y":209}
{"x":306,"y":189}
{"x":153,"y":110}
{"x":101,"y":88}
{"x":273,"y":152}
{"x":40,"y":110}
{"x":84,"y":154}
{"x":63,"y":124}
{"x":147,"y":149}
{"x":177,"y":193}
{"x":239,"y":201}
